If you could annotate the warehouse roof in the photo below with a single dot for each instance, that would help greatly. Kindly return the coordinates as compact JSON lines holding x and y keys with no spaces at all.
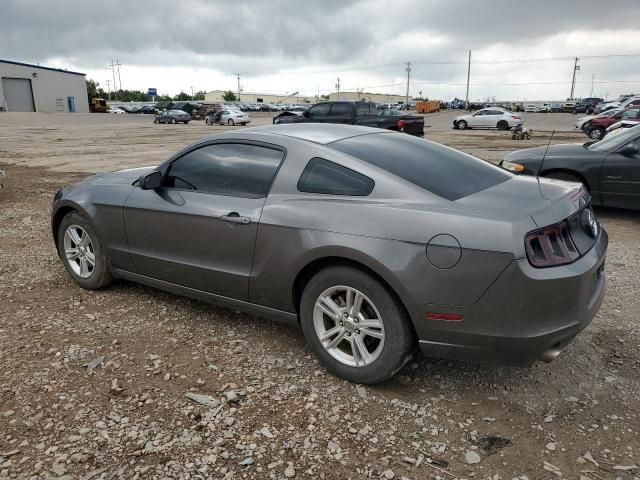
{"x":43,"y":68}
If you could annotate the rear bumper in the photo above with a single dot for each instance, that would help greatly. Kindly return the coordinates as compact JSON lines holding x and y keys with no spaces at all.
{"x":524,"y":313}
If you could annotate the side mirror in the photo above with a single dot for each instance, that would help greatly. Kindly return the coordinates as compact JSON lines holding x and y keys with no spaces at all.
{"x":630,"y":151}
{"x":150,"y":181}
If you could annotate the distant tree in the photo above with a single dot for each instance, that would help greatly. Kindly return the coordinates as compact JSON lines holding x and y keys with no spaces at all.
{"x":324,"y":97}
{"x":94,"y":90}
{"x":182,"y":97}
{"x":199,"y":95}
{"x":229,"y":96}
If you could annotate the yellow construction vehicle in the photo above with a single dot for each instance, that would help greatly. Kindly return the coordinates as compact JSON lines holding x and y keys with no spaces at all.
{"x":98,"y":105}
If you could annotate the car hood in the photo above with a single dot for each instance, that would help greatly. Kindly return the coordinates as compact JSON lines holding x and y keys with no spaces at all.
{"x":547,"y":201}
{"x":120,"y":177}
{"x":561,"y":150}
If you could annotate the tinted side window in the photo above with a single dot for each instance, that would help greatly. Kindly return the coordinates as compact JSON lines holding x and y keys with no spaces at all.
{"x":226,"y":169}
{"x":362,"y":108}
{"x":340,"y":109}
{"x":323,"y":176}
{"x":438,"y":169}
{"x":320,"y":109}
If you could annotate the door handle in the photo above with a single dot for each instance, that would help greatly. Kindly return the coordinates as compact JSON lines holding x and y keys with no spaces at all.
{"x":234,"y":217}
{"x":611,"y":177}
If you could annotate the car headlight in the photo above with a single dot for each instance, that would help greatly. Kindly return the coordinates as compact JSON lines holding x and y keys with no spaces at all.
{"x":512,"y":167}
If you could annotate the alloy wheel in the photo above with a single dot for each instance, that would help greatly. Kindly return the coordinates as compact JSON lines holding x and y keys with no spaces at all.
{"x":349,"y":326}
{"x":79,"y":251}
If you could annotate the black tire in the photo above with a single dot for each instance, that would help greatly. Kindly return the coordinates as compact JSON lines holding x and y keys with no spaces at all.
{"x":101,"y":275}
{"x":399,"y":338}
{"x":462,"y":125}
{"x":230,"y":122}
{"x":513,"y":137}
{"x":566,"y":176}
{"x":155,"y":120}
{"x":503,"y":125}
{"x":596,"y":133}
{"x":187,"y":122}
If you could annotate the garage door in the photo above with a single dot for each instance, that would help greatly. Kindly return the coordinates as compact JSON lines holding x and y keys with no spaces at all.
{"x":18,"y":94}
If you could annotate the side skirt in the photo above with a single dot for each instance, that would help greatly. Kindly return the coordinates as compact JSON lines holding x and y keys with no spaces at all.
{"x":260,"y":310}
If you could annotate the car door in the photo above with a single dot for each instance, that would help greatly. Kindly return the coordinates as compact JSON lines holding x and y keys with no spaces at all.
{"x":492,"y":117}
{"x":341,"y":112}
{"x":477,"y":119}
{"x":199,"y":228}
{"x":620,"y":177}
{"x":319,"y":113}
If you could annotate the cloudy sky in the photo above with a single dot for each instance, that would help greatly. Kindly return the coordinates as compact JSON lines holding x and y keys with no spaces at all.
{"x":286,"y":45}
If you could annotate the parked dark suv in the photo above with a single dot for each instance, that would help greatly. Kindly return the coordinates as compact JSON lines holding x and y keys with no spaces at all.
{"x":587,"y":105}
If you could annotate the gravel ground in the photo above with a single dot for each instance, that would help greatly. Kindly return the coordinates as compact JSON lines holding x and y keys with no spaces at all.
{"x":130,"y":382}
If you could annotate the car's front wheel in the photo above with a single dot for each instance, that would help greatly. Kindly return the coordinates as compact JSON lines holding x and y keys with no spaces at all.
{"x":230,"y":122}
{"x":355,"y":326}
{"x":462,"y":125}
{"x":596,"y":133}
{"x":82,"y":253}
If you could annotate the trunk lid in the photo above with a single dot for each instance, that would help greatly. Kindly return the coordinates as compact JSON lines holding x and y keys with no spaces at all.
{"x":547,"y":201}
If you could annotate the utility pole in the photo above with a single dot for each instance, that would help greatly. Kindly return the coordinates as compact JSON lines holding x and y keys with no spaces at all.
{"x":593,"y":76}
{"x":338,"y":88}
{"x":238,"y":77}
{"x":192,"y":93}
{"x":468,"y":78}
{"x":113,"y":74}
{"x":118,"y":64}
{"x":108,"y":89}
{"x":408,"y":69}
{"x":576,"y":68}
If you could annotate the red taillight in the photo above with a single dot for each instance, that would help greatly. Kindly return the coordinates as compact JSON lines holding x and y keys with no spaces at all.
{"x":551,"y":246}
{"x":401,"y":124}
{"x":515,"y":116}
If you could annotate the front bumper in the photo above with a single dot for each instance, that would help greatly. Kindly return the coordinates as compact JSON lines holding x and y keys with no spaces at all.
{"x":524,"y":313}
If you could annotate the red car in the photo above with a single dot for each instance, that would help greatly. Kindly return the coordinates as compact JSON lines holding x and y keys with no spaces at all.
{"x":598,"y":126}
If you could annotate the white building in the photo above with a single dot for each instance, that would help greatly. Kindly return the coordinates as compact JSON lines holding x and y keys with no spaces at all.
{"x":32,"y":88}
{"x":253,"y":97}
{"x":367,"y":96}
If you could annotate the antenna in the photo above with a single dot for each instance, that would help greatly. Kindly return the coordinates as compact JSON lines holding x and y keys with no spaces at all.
{"x":545,"y":154}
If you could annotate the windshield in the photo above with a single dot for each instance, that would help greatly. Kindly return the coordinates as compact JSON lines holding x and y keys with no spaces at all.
{"x":392,"y":113}
{"x":612,"y":143}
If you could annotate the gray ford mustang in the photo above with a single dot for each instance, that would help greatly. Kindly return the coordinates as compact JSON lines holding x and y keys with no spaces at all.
{"x":374,"y":242}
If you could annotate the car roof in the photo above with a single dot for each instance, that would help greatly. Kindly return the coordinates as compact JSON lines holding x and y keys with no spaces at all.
{"x":321,"y":133}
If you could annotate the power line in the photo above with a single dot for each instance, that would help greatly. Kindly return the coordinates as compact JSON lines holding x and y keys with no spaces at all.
{"x":525,"y":83}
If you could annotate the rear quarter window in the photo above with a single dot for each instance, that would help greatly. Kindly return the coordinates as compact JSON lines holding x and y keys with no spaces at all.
{"x":446,"y":172}
{"x":329,"y":178}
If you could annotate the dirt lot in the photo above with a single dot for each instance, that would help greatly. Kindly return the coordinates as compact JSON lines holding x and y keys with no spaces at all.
{"x":93,"y":383}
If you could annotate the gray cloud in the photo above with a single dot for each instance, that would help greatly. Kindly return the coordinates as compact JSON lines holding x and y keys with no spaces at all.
{"x":266,"y":37}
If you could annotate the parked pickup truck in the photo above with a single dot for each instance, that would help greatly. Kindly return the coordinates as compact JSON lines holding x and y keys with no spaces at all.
{"x":357,"y":113}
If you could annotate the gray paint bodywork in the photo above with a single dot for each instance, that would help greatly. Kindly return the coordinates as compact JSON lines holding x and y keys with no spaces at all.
{"x":175,"y":240}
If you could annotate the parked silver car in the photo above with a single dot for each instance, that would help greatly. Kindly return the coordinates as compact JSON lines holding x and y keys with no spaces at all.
{"x":375,"y":242}
{"x":228,"y":116}
{"x":492,"y":117}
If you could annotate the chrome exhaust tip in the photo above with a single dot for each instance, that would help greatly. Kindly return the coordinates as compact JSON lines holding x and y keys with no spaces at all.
{"x":550,"y":355}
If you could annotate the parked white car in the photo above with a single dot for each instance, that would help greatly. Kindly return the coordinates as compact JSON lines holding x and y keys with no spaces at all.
{"x":228,"y":116}
{"x":531,"y":108}
{"x":493,"y":117}
{"x":115,"y":110}
{"x":619,"y":127}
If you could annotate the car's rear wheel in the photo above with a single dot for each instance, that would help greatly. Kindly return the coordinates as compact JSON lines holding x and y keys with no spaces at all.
{"x":173,"y":120}
{"x":355,"y":326}
{"x":230,"y":122}
{"x":503,"y":125}
{"x":596,"y":133}
{"x":82,"y":253}
{"x":462,"y":125}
